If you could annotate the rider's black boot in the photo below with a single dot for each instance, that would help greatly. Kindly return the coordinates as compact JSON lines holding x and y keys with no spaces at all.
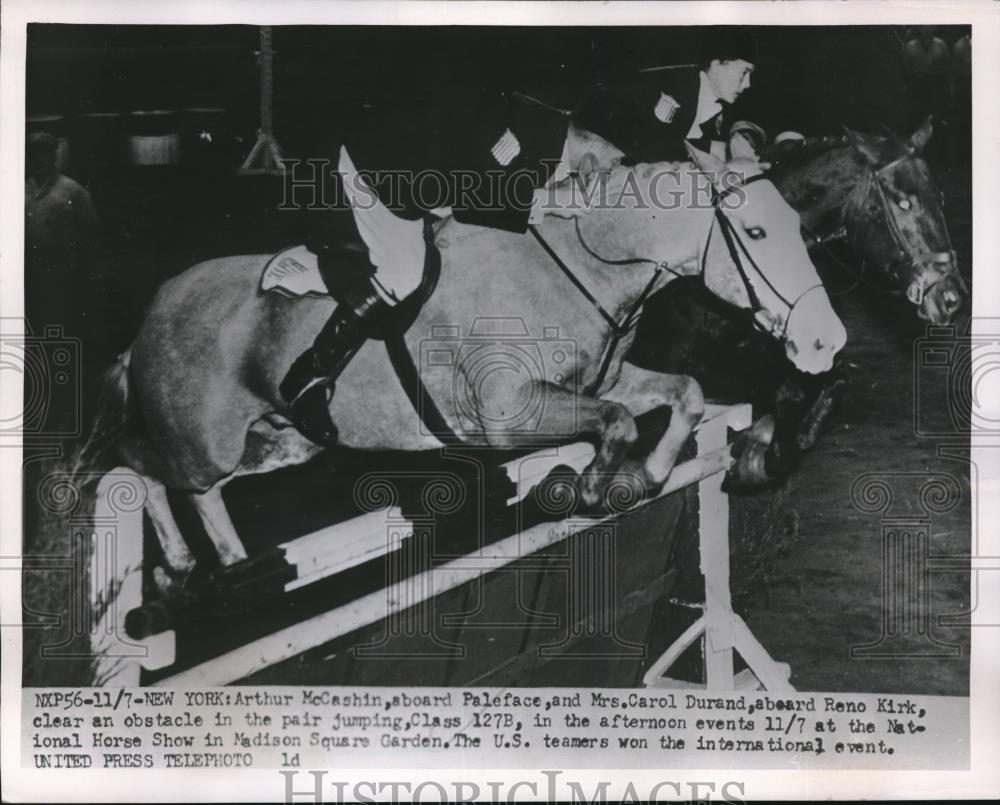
{"x":308,"y":386}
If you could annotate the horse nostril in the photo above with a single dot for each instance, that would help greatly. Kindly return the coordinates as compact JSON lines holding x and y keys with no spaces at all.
{"x":818,"y":345}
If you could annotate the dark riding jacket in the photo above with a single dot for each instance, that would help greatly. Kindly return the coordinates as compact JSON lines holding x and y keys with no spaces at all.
{"x":665,"y":103}
{"x":484,"y":159}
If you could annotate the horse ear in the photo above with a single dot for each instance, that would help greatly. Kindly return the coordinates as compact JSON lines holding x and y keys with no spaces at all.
{"x":741,"y":148}
{"x":708,"y":164}
{"x":922,"y":136}
{"x":587,"y":168}
{"x":865,"y":145}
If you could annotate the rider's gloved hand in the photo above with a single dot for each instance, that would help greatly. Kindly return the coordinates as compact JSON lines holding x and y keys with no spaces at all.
{"x":579,"y":193}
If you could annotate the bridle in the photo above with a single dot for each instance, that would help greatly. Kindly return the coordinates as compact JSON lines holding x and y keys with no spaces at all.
{"x":620,"y":328}
{"x":735,"y":245}
{"x":860,"y":212}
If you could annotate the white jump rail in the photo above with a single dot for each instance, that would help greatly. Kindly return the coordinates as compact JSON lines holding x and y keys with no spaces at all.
{"x":336,"y":548}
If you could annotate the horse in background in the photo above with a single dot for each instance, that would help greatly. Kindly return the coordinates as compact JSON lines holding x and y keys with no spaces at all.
{"x":876,"y":194}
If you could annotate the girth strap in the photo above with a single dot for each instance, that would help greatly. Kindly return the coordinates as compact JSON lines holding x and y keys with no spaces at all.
{"x":416,"y":391}
{"x":394,"y":336}
{"x":619,"y":329}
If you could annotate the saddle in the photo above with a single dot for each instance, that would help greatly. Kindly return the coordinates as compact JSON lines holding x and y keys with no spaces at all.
{"x":331,"y":269}
{"x":320,"y":269}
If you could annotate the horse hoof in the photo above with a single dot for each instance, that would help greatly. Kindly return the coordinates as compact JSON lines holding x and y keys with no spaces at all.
{"x":763,"y":430}
{"x":750,"y":470}
{"x":781,"y":459}
{"x":168,"y":580}
{"x":162,"y":581}
{"x":626,"y":491}
{"x":558,"y":494}
{"x":821,"y":411}
{"x":146,"y":621}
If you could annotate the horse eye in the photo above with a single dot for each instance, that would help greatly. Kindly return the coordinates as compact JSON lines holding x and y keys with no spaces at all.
{"x":756,"y":233}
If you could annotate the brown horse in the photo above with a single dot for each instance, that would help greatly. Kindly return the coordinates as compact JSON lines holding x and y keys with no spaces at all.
{"x":877,"y":194}
{"x":873,"y":192}
{"x":195,"y":400}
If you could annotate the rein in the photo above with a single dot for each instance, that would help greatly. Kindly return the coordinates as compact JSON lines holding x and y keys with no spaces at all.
{"x":899,"y":241}
{"x":840,"y":232}
{"x":732,"y":240}
{"x":856,"y":202}
{"x":619,"y":329}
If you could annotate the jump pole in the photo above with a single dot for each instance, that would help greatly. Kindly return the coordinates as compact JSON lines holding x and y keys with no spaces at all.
{"x":714,"y":459}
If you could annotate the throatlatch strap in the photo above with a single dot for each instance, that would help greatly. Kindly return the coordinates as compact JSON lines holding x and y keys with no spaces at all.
{"x":416,"y":391}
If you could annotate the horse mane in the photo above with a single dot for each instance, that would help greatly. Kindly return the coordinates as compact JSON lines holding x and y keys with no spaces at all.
{"x":636,"y":193}
{"x":644,"y":171}
{"x":792,"y":154}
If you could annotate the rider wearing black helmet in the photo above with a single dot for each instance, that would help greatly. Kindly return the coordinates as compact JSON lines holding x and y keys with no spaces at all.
{"x":690,"y":103}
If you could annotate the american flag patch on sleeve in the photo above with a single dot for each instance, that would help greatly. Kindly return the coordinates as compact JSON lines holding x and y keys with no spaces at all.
{"x":665,"y":108}
{"x":506,"y":149}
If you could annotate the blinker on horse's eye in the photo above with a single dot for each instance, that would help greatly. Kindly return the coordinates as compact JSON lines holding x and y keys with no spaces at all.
{"x":756,"y":233}
{"x":904,"y":204}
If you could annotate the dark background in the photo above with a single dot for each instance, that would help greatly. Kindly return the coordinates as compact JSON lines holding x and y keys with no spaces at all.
{"x":807,"y":77}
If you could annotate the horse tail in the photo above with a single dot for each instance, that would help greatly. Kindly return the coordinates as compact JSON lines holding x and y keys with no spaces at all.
{"x":110,"y":420}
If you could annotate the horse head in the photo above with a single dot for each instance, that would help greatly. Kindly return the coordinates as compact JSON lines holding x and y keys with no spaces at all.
{"x":741,"y":236}
{"x":895,"y":221}
{"x":755,"y":258}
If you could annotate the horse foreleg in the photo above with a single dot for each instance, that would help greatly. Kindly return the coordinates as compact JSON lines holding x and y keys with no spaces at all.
{"x":641,"y":389}
{"x":819,"y":413}
{"x":610,"y":422}
{"x":219,"y":526}
{"x":179,"y":559}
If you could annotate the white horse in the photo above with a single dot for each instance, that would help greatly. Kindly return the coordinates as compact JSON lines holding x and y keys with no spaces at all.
{"x":195,"y":401}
